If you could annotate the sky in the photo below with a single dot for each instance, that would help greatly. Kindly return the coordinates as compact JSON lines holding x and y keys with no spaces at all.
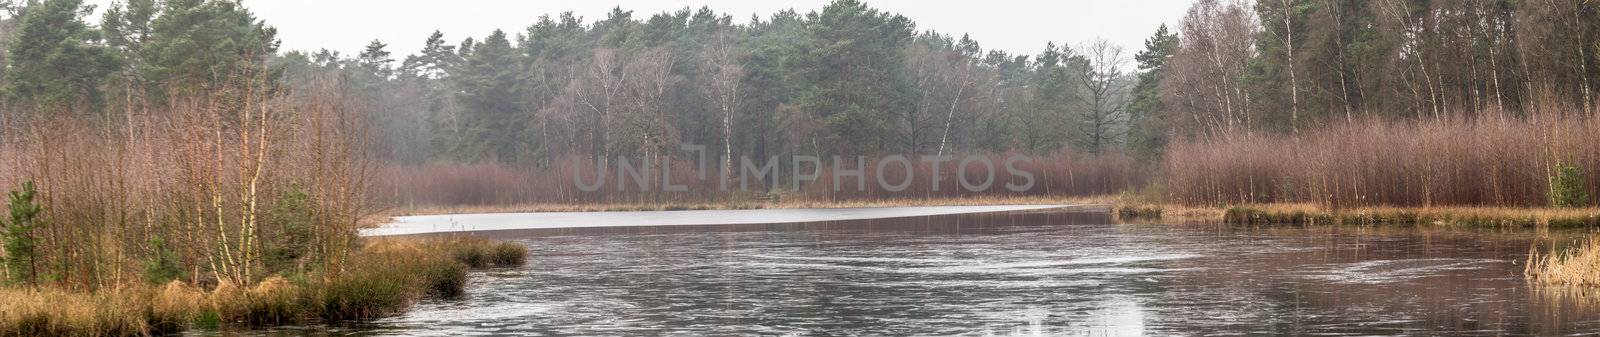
{"x":1017,"y":26}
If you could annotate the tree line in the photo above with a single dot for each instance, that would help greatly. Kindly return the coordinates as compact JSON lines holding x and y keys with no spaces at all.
{"x":845,"y":79}
{"x":165,"y":142}
{"x":1284,"y":66}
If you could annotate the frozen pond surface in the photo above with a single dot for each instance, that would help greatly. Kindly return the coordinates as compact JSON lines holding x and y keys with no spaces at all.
{"x":430,"y":224}
{"x":1038,"y":273}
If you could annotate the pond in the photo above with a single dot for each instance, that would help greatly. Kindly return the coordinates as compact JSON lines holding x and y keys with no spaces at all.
{"x":1057,"y":272}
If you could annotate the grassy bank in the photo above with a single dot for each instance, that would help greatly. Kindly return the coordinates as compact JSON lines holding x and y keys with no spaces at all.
{"x":384,"y":278}
{"x":1309,"y":214}
{"x":1139,"y":211}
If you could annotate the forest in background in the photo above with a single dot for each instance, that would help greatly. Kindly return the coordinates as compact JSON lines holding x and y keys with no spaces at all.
{"x":173,"y":142}
{"x":511,"y":117}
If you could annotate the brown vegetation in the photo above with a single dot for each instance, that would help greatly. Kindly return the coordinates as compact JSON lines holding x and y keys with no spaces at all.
{"x":245,"y":202}
{"x":385,"y":278}
{"x":215,"y":191}
{"x":1578,"y":266}
{"x":1435,"y":216}
{"x":1312,"y":214}
{"x":1495,"y":162}
{"x":499,"y":186}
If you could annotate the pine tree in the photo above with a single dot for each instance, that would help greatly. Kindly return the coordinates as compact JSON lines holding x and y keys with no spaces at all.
{"x":18,"y":236}
{"x":1276,"y":73}
{"x":57,"y":61}
{"x":432,"y":62}
{"x":767,"y":85}
{"x":9,"y":14}
{"x":127,"y":27}
{"x":195,"y":43}
{"x":374,"y":62}
{"x":494,"y":116}
{"x":853,"y":75}
{"x":1147,"y":135}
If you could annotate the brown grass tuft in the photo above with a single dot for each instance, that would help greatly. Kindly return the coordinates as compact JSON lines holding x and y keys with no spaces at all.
{"x":1578,"y":266}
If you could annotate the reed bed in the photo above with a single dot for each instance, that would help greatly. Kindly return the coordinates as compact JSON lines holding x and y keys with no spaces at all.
{"x":1486,"y":217}
{"x":1313,"y":214}
{"x":1489,"y":161}
{"x":553,"y":187}
{"x":1578,"y":266}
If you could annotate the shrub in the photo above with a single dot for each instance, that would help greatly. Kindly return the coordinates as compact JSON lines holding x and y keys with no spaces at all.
{"x":1568,"y":187}
{"x":292,"y":221}
{"x":162,"y":264}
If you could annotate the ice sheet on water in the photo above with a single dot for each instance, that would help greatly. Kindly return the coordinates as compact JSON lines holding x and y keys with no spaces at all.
{"x":1386,"y":271}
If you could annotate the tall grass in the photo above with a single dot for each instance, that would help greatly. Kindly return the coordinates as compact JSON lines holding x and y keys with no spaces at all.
{"x":384,"y":278}
{"x":1578,"y":266}
{"x":120,"y":312}
{"x":1490,"y":161}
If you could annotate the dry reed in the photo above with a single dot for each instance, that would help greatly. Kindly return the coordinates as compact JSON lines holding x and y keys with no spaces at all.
{"x":1578,"y":266}
{"x":1491,"y":161}
{"x":446,"y":185}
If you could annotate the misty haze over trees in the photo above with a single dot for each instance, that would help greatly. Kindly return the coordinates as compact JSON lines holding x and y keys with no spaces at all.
{"x":845,"y":79}
{"x":174,"y":139}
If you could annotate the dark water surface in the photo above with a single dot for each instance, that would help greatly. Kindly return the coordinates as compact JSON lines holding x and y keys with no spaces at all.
{"x":1054,"y":273}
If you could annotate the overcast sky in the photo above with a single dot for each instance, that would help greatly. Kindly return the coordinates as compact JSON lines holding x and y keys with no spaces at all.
{"x":1019,"y":26}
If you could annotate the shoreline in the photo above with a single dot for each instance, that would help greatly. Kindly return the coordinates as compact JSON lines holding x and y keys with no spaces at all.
{"x":1120,"y":207}
{"x":490,"y":222}
{"x":1309,"y":214}
{"x":422,"y":210}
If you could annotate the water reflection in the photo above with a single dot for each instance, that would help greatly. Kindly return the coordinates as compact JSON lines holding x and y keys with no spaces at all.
{"x":1053,"y":273}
